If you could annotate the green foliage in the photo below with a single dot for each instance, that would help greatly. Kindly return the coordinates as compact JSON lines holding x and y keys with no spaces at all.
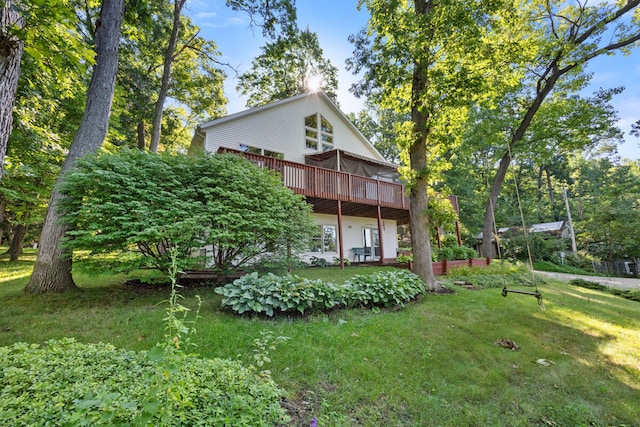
{"x":355,"y":367}
{"x":452,"y":253}
{"x":286,"y":68}
{"x":384,"y":288}
{"x":196,"y":82}
{"x":273,"y":294}
{"x":69,"y":383}
{"x":404,"y":259}
{"x":274,"y":17}
{"x":609,"y":195}
{"x":559,"y":268}
{"x":541,"y":249}
{"x":276,"y":263}
{"x":345,"y":261}
{"x":582,"y":260}
{"x":497,"y":275}
{"x":319,"y":262}
{"x":139,"y":205}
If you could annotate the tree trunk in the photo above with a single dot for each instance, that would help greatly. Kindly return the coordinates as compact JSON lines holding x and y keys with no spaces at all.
{"x":3,"y":212}
{"x":52,"y":271}
{"x":539,"y":195}
{"x":141,"y":134}
{"x":10,"y":54}
{"x":552,"y":197}
{"x":489,"y":212}
{"x":166,"y":76}
{"x":420,"y":236}
{"x":17,"y":240}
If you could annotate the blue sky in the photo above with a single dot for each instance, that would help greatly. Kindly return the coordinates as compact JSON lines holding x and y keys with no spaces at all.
{"x":335,"y":20}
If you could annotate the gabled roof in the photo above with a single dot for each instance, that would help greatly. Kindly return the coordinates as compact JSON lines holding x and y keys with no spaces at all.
{"x":321,"y":95}
{"x":547,"y":227}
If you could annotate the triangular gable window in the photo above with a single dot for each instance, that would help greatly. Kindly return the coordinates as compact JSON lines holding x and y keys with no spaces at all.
{"x":318,"y":133}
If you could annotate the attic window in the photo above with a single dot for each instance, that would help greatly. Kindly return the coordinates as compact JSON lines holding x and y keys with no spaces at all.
{"x":318,"y":133}
{"x":260,"y":151}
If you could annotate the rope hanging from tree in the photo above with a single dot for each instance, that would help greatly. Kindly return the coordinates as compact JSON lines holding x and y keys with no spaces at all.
{"x":505,"y":289}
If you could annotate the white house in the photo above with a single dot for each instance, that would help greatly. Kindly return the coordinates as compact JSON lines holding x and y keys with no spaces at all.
{"x":356,"y":195}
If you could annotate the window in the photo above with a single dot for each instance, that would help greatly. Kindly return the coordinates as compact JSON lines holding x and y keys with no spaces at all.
{"x":260,"y":151}
{"x":318,"y":132}
{"x":250,"y":149}
{"x":325,"y":239}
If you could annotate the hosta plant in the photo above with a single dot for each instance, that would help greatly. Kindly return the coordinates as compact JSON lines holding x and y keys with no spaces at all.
{"x":271,"y":294}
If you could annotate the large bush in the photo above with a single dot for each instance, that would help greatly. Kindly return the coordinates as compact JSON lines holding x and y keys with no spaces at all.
{"x":271,"y":294}
{"x":541,"y":249}
{"x":69,"y":383}
{"x":138,"y":205}
{"x":452,"y":253}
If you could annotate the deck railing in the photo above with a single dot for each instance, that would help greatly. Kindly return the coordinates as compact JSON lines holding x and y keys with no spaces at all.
{"x":314,"y":181}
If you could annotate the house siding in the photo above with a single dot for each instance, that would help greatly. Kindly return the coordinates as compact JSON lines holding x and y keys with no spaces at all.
{"x":352,"y":236}
{"x":280,"y":128}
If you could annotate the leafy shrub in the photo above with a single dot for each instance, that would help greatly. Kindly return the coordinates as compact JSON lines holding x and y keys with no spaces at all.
{"x":69,"y":383}
{"x":384,"y":288}
{"x":271,"y":294}
{"x":276,"y":264}
{"x":404,"y":259}
{"x":558,"y":268}
{"x":515,"y":248}
{"x":345,"y":261}
{"x":138,"y":205}
{"x":452,"y":253}
{"x":319,"y":262}
{"x":582,"y":260}
{"x":497,"y":275}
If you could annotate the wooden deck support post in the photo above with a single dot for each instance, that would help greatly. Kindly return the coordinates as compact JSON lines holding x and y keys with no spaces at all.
{"x":458,"y":233}
{"x":380,"y":236}
{"x":340,"y":242}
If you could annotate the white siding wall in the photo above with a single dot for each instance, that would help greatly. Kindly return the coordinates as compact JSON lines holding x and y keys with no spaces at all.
{"x":281,"y":128}
{"x":352,"y":235}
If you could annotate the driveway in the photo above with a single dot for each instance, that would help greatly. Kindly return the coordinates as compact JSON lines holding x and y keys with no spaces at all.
{"x":612,"y":282}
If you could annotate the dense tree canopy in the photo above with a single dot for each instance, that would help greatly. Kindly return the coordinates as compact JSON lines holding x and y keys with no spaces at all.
{"x":561,"y":39}
{"x":427,"y":60}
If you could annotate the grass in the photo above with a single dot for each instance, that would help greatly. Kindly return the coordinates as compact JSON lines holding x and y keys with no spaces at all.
{"x":564,"y":268}
{"x":433,"y":362}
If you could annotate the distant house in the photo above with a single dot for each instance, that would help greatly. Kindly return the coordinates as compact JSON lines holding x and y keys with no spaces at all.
{"x":556,"y":230}
{"x":357,"y":197}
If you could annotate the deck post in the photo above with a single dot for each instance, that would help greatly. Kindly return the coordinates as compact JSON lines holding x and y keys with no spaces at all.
{"x":380,"y":236}
{"x":340,"y":242}
{"x":458,"y":233}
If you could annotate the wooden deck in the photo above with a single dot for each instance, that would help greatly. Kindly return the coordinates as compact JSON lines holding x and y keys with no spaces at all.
{"x":327,"y":184}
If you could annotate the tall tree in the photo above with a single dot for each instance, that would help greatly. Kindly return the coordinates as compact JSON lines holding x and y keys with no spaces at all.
{"x":609,"y":197}
{"x":277,"y":15}
{"x":291,"y":65}
{"x":425,"y":59}
{"x":567,"y":36}
{"x":48,"y":109}
{"x":380,"y":127}
{"x":166,"y":75}
{"x":196,"y":85}
{"x":45,"y":31}
{"x":52,"y":270}
{"x":11,"y":48}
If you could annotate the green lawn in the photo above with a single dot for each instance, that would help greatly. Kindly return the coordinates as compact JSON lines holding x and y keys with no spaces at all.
{"x":434,"y":362}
